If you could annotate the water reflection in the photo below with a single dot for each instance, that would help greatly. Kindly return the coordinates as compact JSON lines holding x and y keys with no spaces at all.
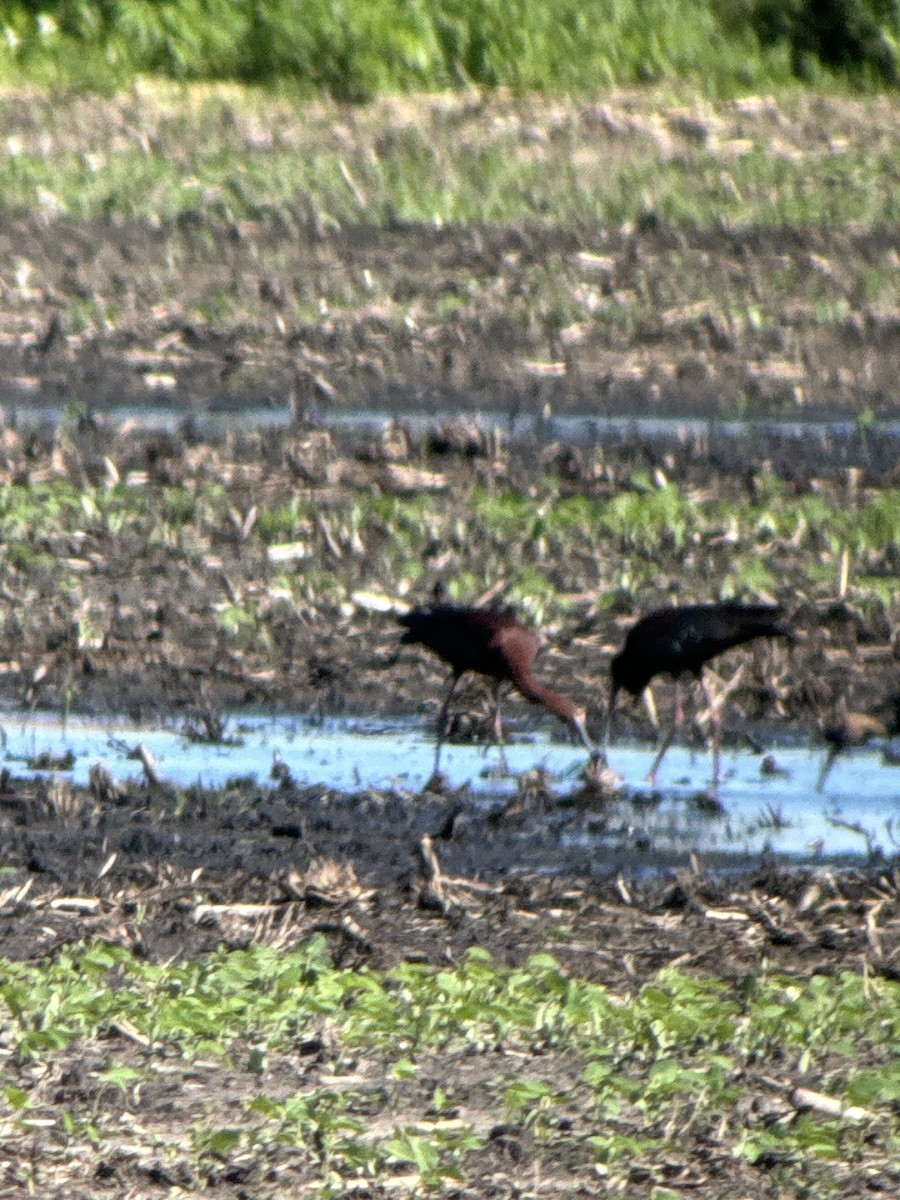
{"x":779,"y":811}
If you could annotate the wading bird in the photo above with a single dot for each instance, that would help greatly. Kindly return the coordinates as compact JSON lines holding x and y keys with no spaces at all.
{"x":680,"y":641}
{"x":849,"y":729}
{"x":491,"y":642}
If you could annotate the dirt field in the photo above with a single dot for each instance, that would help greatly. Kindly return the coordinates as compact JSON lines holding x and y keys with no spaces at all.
{"x":719,"y":323}
{"x":169,"y":876}
{"x":676,"y":339}
{"x":172,"y":873}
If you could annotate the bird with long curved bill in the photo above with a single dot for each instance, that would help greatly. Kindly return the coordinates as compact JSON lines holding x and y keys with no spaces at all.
{"x":680,"y":641}
{"x":491,"y":642}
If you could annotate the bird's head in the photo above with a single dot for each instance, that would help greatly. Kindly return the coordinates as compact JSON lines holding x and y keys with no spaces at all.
{"x":628,"y":673}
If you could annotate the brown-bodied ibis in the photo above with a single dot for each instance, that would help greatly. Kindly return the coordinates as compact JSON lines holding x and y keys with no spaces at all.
{"x":491,"y":642}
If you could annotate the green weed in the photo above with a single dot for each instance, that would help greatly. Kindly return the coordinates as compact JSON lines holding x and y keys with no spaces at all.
{"x":682,"y":1056}
{"x":194,"y":152}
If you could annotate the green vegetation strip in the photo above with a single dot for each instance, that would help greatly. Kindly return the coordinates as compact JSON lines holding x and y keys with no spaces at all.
{"x":355,"y":51}
{"x":582,"y":1068}
{"x":238,"y":154}
{"x":523,"y":537}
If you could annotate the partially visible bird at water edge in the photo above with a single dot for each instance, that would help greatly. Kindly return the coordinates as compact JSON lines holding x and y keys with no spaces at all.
{"x":680,"y":641}
{"x":848,"y":729}
{"x":491,"y":642}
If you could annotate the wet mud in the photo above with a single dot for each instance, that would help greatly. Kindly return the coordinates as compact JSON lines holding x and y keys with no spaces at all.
{"x":387,"y":879}
{"x":421,"y":876}
{"x":388,"y":876}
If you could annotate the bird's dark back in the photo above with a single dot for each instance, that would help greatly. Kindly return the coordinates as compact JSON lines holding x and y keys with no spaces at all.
{"x":472,"y":639}
{"x":681,"y":639}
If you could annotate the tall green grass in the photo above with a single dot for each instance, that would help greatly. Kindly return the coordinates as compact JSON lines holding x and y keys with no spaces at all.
{"x":356,"y":49}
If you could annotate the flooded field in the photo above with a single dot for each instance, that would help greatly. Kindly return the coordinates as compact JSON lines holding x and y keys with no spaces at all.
{"x":766,"y":805}
{"x":250,"y":947}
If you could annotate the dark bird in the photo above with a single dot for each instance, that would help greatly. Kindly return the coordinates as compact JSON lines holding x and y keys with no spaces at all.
{"x":491,"y":642}
{"x":680,"y":641}
{"x":848,"y":729}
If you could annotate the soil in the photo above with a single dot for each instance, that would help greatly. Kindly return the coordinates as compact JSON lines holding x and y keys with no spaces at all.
{"x":683,"y":350}
{"x":171,"y":873}
{"x":154,"y":649}
{"x":365,"y":864}
{"x":162,"y":873}
{"x":387,"y":879}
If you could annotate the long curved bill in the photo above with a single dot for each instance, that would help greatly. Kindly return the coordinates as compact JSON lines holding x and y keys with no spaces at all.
{"x":650,"y":704}
{"x":579,"y":724}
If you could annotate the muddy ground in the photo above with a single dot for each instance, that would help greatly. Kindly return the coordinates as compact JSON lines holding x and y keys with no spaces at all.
{"x":175,"y":872}
{"x":696,"y":322}
{"x":98,"y":623}
{"x":162,"y":872}
{"x":107,"y":624}
{"x":170,"y":875}
{"x":634,"y":318}
{"x":391,"y":876}
{"x":818,"y":347}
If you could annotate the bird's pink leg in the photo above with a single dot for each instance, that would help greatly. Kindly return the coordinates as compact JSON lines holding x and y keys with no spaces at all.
{"x":497,"y":720}
{"x":715,"y":722}
{"x":607,"y":733}
{"x":498,"y":725}
{"x":667,"y":741}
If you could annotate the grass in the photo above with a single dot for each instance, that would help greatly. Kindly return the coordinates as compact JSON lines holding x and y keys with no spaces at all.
{"x":243,"y":156}
{"x":274,"y":1054}
{"x":363,"y":50}
{"x":526,"y":537}
{"x":595,"y":1077}
{"x":278,"y":225}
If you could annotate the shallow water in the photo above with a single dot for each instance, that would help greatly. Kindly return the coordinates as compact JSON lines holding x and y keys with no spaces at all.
{"x":586,"y":429}
{"x":781,"y":813}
